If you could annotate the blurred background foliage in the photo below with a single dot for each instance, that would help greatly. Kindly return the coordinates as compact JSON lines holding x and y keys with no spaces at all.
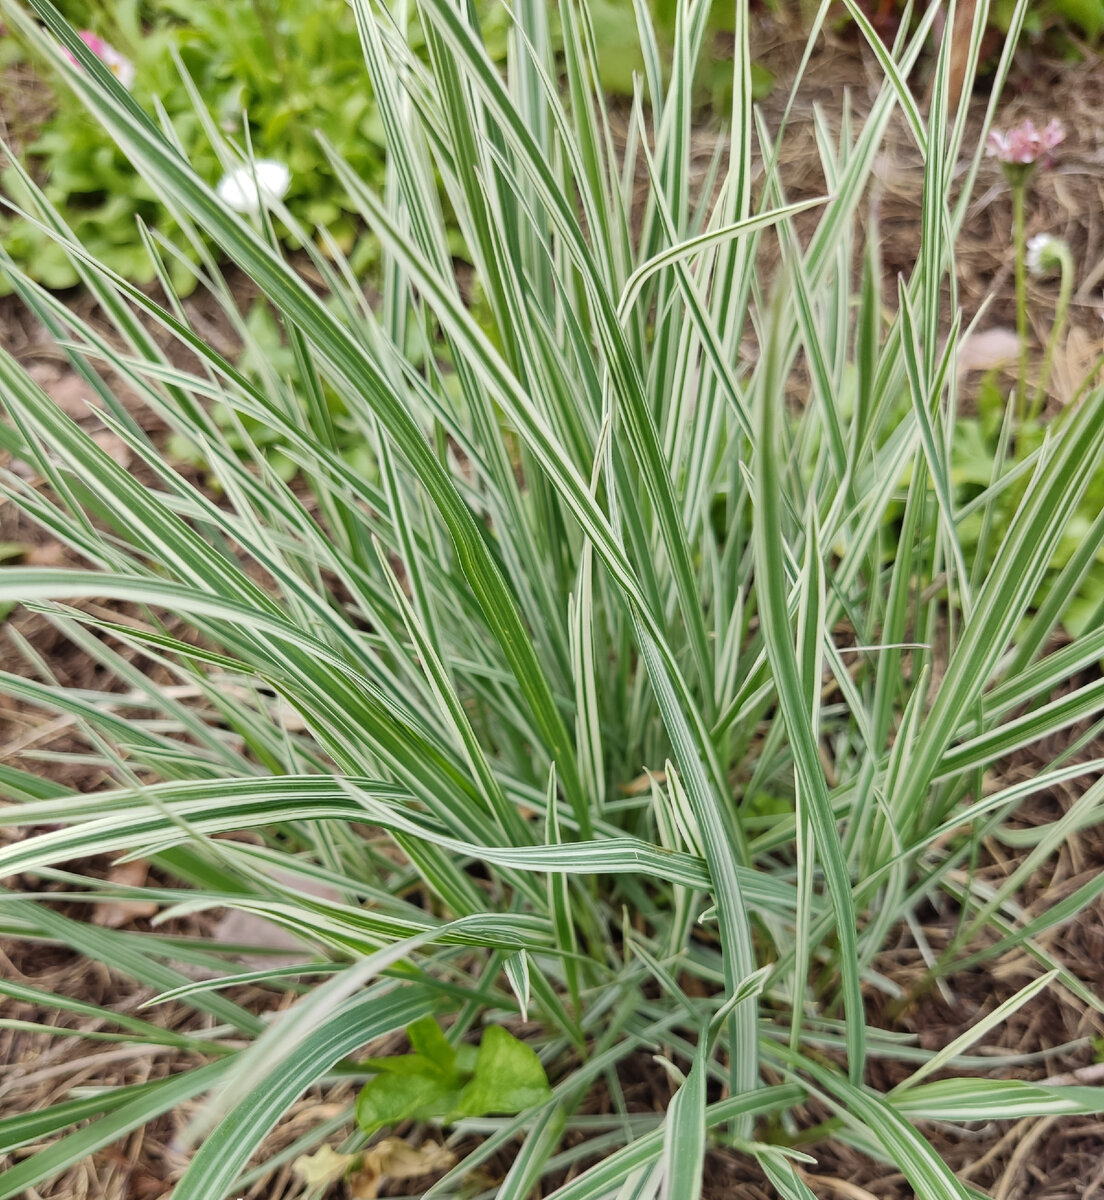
{"x":294,"y":68}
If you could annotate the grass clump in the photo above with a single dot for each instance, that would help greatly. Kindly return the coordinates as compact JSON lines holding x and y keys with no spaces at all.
{"x":636,"y":683}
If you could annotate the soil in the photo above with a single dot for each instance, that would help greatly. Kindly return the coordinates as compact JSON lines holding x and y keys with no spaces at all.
{"x":1046,"y":1159}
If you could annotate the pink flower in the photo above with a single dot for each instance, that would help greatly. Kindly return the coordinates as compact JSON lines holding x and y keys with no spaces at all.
{"x":119,"y":66}
{"x":1025,"y":145}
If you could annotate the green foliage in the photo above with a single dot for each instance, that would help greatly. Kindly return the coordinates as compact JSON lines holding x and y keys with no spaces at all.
{"x":293,"y":67}
{"x":265,"y":355}
{"x":977,"y":446}
{"x":285,"y":72}
{"x":1084,"y":17}
{"x":437,"y":1081}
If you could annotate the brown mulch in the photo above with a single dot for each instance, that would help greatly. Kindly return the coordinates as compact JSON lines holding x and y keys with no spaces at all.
{"x":42,"y":1069}
{"x":1046,"y":1159}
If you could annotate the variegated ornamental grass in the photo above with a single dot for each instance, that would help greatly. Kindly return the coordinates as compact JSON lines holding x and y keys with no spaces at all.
{"x":599,"y":537}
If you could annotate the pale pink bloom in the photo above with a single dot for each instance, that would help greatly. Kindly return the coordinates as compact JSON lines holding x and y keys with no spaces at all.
{"x":1025,"y":145}
{"x":119,"y":65}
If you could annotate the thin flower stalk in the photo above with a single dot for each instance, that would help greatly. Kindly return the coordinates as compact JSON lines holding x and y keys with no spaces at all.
{"x":1046,"y":254}
{"x":1020,"y":151}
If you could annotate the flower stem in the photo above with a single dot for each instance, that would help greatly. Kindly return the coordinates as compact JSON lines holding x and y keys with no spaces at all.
{"x":1020,"y":236}
{"x":1065,"y":293}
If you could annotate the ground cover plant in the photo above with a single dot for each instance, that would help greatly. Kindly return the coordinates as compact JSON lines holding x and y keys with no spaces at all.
{"x":1069,"y":22}
{"x":638,"y":683}
{"x":283,"y":72}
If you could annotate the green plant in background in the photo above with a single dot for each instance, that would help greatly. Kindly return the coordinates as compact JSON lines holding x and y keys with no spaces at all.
{"x":619,"y":691}
{"x":1045,"y":255}
{"x":1021,"y":151}
{"x":294,"y":69}
{"x":1083,"y":17}
{"x":1004,"y":434}
{"x":984,"y":449}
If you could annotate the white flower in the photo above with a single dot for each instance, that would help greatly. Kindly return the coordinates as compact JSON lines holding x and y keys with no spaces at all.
{"x":249,"y":188}
{"x":1036,"y":247}
{"x":1045,"y":253}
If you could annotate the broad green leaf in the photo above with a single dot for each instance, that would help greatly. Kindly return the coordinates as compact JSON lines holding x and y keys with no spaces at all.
{"x":508,"y":1076}
{"x":428,"y":1041}
{"x":394,"y":1097}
